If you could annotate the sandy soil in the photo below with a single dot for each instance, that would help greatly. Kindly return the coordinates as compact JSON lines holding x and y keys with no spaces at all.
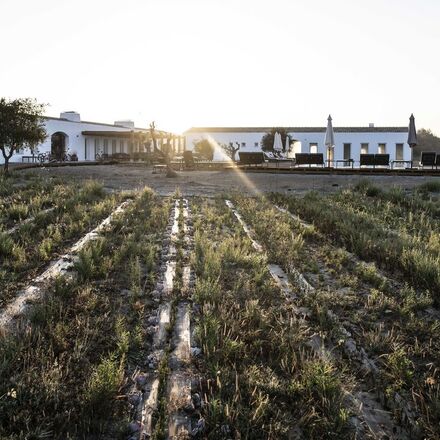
{"x":210,"y":183}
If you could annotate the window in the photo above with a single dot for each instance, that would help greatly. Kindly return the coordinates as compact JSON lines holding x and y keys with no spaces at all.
{"x":364,"y":148}
{"x":382,"y":149}
{"x":255,"y":144}
{"x":399,"y":151}
{"x":85,"y":148}
{"x":113,"y":146}
{"x":243,"y":144}
{"x":105,"y":146}
{"x":347,"y":153}
{"x":313,"y":147}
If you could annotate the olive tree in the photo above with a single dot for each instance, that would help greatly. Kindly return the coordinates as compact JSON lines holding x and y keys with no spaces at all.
{"x":230,"y":150}
{"x":21,"y":126}
{"x":268,"y":139}
{"x":204,"y":149}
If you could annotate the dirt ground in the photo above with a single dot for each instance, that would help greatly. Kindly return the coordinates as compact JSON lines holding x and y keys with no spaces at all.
{"x":210,"y":183}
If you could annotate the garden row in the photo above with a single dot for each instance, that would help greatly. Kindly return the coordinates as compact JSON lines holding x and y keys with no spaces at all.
{"x":62,"y":376}
{"x":402,"y":239}
{"x":385,"y":330}
{"x":262,"y":377}
{"x":24,"y":251}
{"x":223,"y":320}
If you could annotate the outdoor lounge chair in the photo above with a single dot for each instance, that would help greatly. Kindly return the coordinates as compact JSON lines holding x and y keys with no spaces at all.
{"x":428,"y":159}
{"x":373,"y":160}
{"x":382,"y":160}
{"x":309,"y":159}
{"x":251,"y":158}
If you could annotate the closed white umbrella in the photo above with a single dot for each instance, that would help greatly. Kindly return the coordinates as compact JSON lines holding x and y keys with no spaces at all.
{"x":329,"y":134}
{"x":329,"y":140}
{"x":287,"y":144}
{"x":277,"y":145}
{"x":275,"y":141}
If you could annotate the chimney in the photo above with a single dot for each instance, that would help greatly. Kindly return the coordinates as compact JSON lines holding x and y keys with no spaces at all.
{"x":71,"y":116}
{"x":126,"y":123}
{"x":371,"y":124}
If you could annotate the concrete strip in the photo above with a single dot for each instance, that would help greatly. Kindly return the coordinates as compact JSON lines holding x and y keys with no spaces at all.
{"x":373,"y":418}
{"x":26,"y":221}
{"x":61,"y":267}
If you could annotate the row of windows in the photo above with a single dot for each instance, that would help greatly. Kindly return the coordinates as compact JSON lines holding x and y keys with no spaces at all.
{"x":365,"y":149}
{"x":381,"y":147}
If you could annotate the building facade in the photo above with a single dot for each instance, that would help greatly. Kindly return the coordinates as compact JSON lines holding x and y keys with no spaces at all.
{"x":350,"y":142}
{"x":69,"y":135}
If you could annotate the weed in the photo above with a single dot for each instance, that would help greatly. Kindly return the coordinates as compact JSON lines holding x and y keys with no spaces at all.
{"x":103,"y":384}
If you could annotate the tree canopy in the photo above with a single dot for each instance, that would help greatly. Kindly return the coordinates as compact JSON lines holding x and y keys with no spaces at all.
{"x":427,"y":141}
{"x":268,"y":138}
{"x":21,"y":126}
{"x":204,"y":148}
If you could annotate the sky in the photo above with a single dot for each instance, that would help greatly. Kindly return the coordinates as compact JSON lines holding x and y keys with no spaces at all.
{"x":186,"y":63}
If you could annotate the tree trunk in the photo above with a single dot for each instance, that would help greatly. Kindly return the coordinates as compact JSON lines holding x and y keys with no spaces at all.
{"x":6,"y":166}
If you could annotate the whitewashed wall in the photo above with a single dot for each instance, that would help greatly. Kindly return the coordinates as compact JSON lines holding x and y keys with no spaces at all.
{"x":252,"y":141}
{"x":75,"y":142}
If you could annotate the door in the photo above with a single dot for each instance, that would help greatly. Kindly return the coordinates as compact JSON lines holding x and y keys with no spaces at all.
{"x":399,"y":151}
{"x":347,"y":154}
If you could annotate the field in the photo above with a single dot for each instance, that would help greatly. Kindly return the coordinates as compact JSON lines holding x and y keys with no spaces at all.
{"x":140,"y":314}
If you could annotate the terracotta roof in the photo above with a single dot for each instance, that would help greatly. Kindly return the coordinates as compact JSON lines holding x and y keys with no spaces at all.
{"x":297,"y":129}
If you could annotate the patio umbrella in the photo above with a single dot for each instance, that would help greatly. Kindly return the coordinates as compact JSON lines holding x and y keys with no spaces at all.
{"x":287,"y":144}
{"x":412,"y":133}
{"x":329,"y":137}
{"x":275,"y":139}
{"x":277,"y":144}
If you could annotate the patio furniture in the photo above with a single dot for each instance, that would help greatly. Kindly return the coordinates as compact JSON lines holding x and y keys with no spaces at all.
{"x":309,"y":159}
{"x":382,"y":160}
{"x":374,"y":160}
{"x":345,"y":162}
{"x":29,"y":159}
{"x":120,"y":156}
{"x":401,"y":162}
{"x":251,"y":158}
{"x":159,"y":168}
{"x":428,"y":159}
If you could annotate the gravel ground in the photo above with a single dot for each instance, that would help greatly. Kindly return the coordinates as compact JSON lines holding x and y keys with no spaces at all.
{"x":210,"y":183}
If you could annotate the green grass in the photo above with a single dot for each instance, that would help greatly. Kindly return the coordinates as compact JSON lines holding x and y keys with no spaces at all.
{"x":69,"y":369}
{"x":261,"y":380}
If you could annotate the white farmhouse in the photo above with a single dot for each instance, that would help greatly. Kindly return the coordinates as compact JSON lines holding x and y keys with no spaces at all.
{"x":350,"y":142}
{"x":68,"y":134}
